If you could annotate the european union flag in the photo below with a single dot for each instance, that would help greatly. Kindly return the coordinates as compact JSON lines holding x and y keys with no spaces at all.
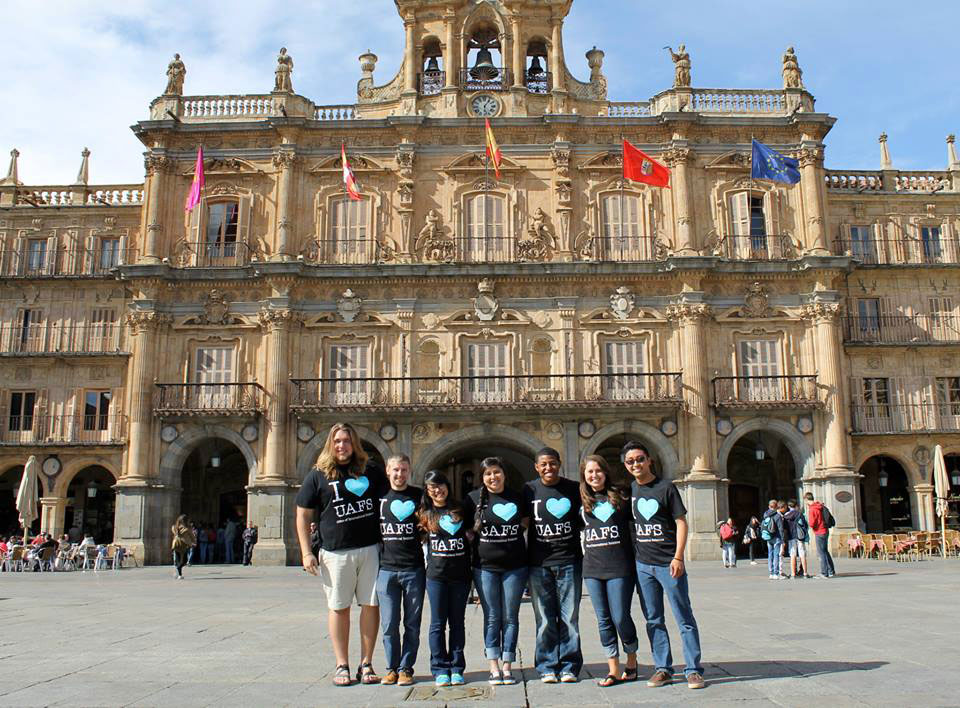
{"x":767,"y":163}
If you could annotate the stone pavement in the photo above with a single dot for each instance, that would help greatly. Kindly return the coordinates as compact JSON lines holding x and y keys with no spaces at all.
{"x":879,"y":634}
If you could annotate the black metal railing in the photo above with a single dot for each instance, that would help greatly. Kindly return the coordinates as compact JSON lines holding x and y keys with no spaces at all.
{"x":765,"y":391}
{"x":432,"y":82}
{"x":96,"y":429}
{"x":55,"y":338}
{"x":500,"y":82}
{"x":469,"y":392}
{"x":902,"y":251}
{"x":212,"y":254}
{"x":870,"y":418}
{"x":208,"y":398}
{"x":351,"y":251}
{"x":620,"y":248}
{"x":902,"y":329}
{"x":63,"y":263}
{"x":540,"y":82}
{"x":759,"y":247}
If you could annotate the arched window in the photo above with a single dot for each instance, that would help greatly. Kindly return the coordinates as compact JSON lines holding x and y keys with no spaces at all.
{"x":348,"y":240}
{"x":483,"y":69}
{"x":622,"y":228}
{"x":432,"y":74}
{"x":536,"y":75}
{"x":486,"y":240}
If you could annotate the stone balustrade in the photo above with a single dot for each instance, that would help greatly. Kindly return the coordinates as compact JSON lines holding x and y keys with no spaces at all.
{"x":628,"y":109}
{"x":80,"y":195}
{"x":249,"y":106}
{"x":738,"y":101}
{"x":336,"y":112}
{"x":854,"y":180}
{"x":926,"y":181}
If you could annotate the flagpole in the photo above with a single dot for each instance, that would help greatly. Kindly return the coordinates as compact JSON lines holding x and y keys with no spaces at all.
{"x":486,"y":204}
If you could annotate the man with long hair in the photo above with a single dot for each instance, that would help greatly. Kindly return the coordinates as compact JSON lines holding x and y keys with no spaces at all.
{"x":343,"y":493}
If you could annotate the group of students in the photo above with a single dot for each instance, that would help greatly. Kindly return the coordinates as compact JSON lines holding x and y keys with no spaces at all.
{"x":387,"y":545}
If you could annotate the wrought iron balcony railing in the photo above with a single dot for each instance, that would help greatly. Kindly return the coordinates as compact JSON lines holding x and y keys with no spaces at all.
{"x":760,"y":247}
{"x":212,"y":254}
{"x":766,"y":392}
{"x":82,"y":339}
{"x":883,"y":418}
{"x":432,"y":82}
{"x":902,"y":251}
{"x":487,"y":392}
{"x":63,"y":263}
{"x":208,"y":398}
{"x":354,"y":251}
{"x":539,"y":83}
{"x":902,"y":329}
{"x":97,"y":429}
{"x":500,"y":82}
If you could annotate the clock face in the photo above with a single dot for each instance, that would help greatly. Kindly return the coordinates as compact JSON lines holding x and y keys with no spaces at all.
{"x":485,"y":106}
{"x":51,"y":466}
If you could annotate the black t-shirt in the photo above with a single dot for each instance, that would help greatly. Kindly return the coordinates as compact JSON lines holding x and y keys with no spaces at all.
{"x":554,"y":537}
{"x":499,"y":545}
{"x":448,"y":557}
{"x":348,"y":514}
{"x":607,"y":543}
{"x":402,"y":549}
{"x":656,"y":507}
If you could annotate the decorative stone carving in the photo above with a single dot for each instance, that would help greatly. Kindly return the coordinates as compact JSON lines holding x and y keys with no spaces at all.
{"x":561,"y":161}
{"x":689,"y":311}
{"x":156,"y":164}
{"x":681,"y":66}
{"x":808,"y":157}
{"x":176,"y":71}
{"x":430,"y":321}
{"x":622,"y":303}
{"x":676,"y":155}
{"x":282,"y":82}
{"x":143,"y":320}
{"x":274,"y":319}
{"x":821,"y":311}
{"x":432,"y":244}
{"x":349,"y":305}
{"x":215,"y":308}
{"x":756,"y":302}
{"x":283,"y":159}
{"x":485,"y":304}
{"x":792,"y":75}
{"x":535,"y":246}
{"x":405,"y":160}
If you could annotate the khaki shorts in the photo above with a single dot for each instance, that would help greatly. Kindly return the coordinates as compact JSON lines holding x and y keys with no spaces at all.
{"x":350,"y":574}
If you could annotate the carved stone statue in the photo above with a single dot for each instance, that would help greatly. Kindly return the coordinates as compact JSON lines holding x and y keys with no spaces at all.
{"x":533,"y":246}
{"x":539,"y":230}
{"x":792,"y":75}
{"x":176,"y":71}
{"x":681,"y":66}
{"x":431,"y":229}
{"x":432,"y":243}
{"x":282,"y":82}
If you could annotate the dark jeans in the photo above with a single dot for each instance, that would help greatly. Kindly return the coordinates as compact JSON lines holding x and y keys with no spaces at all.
{"x":500,"y":594}
{"x":611,"y":601}
{"x":654,"y":580}
{"x":179,"y":560}
{"x":555,"y":592}
{"x":248,"y":553}
{"x":448,"y":605}
{"x":823,"y":552}
{"x":398,"y":589}
{"x":752,"y":547}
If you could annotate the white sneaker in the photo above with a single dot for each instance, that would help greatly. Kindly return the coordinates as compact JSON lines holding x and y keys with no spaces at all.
{"x":753,"y":563}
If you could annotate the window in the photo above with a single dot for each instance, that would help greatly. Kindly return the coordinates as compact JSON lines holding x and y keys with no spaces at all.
{"x":21,"y":410}
{"x":863,"y":247}
{"x":348,"y":230}
{"x":214,"y":365}
{"x":36,"y":255}
{"x":621,"y":216}
{"x":96,"y":410}
{"x":749,"y":223}
{"x":948,"y":396}
{"x":868,"y":319}
{"x":221,"y":242}
{"x":759,"y":370}
{"x":486,"y":371}
{"x":876,"y":398}
{"x":349,"y":370}
{"x":109,"y":256}
{"x":943,"y":326}
{"x":486,"y":239}
{"x":623,"y":363}
{"x":103,"y":330}
{"x":930,"y":242}
{"x":29,"y":332}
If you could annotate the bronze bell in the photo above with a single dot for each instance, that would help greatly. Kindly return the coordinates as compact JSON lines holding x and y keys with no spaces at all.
{"x":535,"y":68}
{"x":484,"y":70}
{"x":433,"y":64}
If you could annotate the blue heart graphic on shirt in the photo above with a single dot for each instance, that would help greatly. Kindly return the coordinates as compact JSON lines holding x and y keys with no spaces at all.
{"x":558,"y":506}
{"x":402,"y":509}
{"x":603,"y":510}
{"x":449,"y":525}
{"x":357,"y":485}
{"x":647,"y":507}
{"x":505,"y":511}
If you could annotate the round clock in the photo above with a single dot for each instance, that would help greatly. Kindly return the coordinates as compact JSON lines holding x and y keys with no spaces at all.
{"x":168,"y":433}
{"x":51,"y":466}
{"x":485,"y":106}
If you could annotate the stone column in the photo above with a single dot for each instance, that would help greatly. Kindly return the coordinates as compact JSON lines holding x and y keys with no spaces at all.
{"x":52,"y":515}
{"x":811,"y":178}
{"x":518,"y":67}
{"x":277,"y":325}
{"x":156,"y":167}
{"x":924,"y":514}
{"x":826,"y":318}
{"x":144,"y":326}
{"x":450,"y":63}
{"x":410,"y":56}
{"x":678,"y":158}
{"x":284,"y":161}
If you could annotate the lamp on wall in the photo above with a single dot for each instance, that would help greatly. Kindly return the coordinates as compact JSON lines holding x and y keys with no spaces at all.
{"x":92,"y":490}
{"x":882,"y":476}
{"x":760,"y":452}
{"x":215,"y":460}
{"x":955,"y":477}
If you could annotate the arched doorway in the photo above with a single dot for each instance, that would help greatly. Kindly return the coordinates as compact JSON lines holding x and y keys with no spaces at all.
{"x":462,"y":467}
{"x":610,"y":449}
{"x":885,"y":496}
{"x":9,"y":518}
{"x":953,"y":474}
{"x":91,"y":501}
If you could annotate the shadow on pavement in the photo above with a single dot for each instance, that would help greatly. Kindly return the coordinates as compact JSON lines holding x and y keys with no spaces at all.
{"x":736,"y":671}
{"x":864,"y":575}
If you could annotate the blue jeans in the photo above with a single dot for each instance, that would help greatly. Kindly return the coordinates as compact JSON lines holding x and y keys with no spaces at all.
{"x":556,"y":607}
{"x":448,"y":605}
{"x":611,"y":601}
{"x":396,"y":589}
{"x":653,"y":581}
{"x":823,"y":552}
{"x":773,"y":555}
{"x":500,"y":594}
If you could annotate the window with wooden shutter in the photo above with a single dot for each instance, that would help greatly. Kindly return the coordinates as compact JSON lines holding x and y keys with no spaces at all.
{"x":759,"y":365}
{"x":623,"y":363}
{"x":220,"y":243}
{"x":947,"y":390}
{"x":349,"y":370}
{"x":29,"y":331}
{"x":868,"y":324}
{"x":748,"y":226}
{"x":348,"y":239}
{"x":102,"y":332}
{"x":875,"y":394}
{"x":36,"y":257}
{"x":486,"y":372}
{"x":213,"y":368}
{"x":20,"y":416}
{"x":108,"y":255}
{"x":96,"y":410}
{"x":943,"y":325}
{"x":932,"y":248}
{"x":863,"y":247}
{"x":486,"y":229}
{"x":622,"y":228}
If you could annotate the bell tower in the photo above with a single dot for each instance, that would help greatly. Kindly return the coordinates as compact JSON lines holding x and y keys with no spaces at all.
{"x":483,"y":59}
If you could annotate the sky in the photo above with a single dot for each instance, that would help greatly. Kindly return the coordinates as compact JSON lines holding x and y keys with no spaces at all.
{"x":79,"y":73}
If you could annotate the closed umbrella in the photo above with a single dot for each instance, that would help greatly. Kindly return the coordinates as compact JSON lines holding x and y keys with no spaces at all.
{"x":27,"y":496}
{"x":941,"y":487}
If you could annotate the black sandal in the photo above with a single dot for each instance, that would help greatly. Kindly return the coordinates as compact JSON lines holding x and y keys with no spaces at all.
{"x":342,"y":672}
{"x":629,"y":674}
{"x":367,"y":677}
{"x":496,"y":678}
{"x":608,"y":681}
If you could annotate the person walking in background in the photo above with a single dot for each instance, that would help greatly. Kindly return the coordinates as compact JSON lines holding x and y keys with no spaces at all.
{"x":230,"y":541}
{"x":796,"y":545}
{"x":183,"y":540}
{"x":499,"y":565}
{"x":784,"y":529}
{"x":821,"y":521}
{"x":608,"y":566}
{"x":771,"y":531}
{"x":751,"y":535}
{"x":250,"y":537}
{"x":728,"y":542}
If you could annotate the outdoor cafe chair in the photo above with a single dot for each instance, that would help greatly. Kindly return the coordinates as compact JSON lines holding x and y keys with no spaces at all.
{"x":91,"y":553}
{"x":14,"y":559}
{"x":46,"y":558}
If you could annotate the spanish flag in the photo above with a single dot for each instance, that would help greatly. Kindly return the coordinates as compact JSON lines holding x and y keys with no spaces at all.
{"x":196,"y":188}
{"x":493,"y":150}
{"x":349,"y":181}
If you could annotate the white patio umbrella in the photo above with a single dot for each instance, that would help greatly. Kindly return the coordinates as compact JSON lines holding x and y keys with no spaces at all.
{"x":27,"y":496}
{"x":941,"y":486}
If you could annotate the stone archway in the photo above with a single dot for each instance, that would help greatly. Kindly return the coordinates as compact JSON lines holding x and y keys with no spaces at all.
{"x":645,"y":433}
{"x":485,"y":433}
{"x":308,"y":456}
{"x":171,"y":463}
{"x":800,"y":449}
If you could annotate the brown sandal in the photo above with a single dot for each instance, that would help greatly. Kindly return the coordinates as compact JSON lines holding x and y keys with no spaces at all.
{"x":341,"y":677}
{"x":369,"y":676}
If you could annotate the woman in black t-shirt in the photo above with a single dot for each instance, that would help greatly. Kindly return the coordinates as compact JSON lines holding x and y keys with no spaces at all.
{"x":608,"y":569}
{"x":446,"y":526}
{"x":499,"y":564}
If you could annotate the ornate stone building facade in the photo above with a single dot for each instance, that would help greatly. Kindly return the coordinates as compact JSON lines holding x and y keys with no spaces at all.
{"x":760,"y":338}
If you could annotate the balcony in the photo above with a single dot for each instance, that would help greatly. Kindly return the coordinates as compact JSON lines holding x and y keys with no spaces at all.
{"x":500,"y":82}
{"x":64,"y":263}
{"x":109,"y":429}
{"x":759,"y":247}
{"x":208,"y":399}
{"x":903,"y":251}
{"x":487,"y":393}
{"x":44,"y":339}
{"x":360,"y":251}
{"x":887,"y":418}
{"x":540,"y":83}
{"x":431,"y":82}
{"x":212,"y":254}
{"x":902,"y":181}
{"x":902,"y":329}
{"x":766,"y":392}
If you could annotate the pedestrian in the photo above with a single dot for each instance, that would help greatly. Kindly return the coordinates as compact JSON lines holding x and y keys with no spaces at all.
{"x":556,"y":570}
{"x":250,"y":537}
{"x":821,"y":521}
{"x":660,"y":538}
{"x":315,"y":541}
{"x":193,"y":548}
{"x":230,"y":541}
{"x":771,"y":531}
{"x":401,"y":582}
{"x":443,"y":522}
{"x":220,"y":544}
{"x":785,"y":537}
{"x":499,"y":565}
{"x":797,"y":532}
{"x":728,"y":541}
{"x":183,"y":540}
{"x":343,"y":493}
{"x":751,"y":535}
{"x":608,"y":565}
{"x":202,"y":543}
{"x":211,"y":534}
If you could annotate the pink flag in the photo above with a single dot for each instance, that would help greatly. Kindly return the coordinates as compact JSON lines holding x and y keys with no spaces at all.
{"x":196,"y":189}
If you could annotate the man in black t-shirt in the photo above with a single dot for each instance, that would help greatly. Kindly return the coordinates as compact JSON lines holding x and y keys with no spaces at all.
{"x":660,"y":537}
{"x":556,"y":572}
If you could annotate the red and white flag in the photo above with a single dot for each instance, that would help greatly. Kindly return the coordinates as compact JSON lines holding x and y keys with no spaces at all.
{"x":196,"y":188}
{"x":640,"y":167}
{"x":349,"y":181}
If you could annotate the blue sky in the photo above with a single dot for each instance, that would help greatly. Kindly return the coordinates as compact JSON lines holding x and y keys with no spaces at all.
{"x":79,"y":73}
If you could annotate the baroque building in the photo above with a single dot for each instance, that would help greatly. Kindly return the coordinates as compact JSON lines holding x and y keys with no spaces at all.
{"x":762,"y":339}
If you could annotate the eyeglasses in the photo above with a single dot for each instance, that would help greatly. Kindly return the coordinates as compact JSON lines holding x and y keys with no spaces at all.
{"x":631,"y":461}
